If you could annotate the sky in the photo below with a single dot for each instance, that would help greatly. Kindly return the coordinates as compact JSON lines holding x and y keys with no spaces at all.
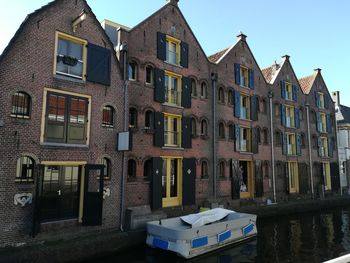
{"x":315,"y":33}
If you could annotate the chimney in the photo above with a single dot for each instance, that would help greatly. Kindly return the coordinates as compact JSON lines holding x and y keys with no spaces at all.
{"x":317,"y":70}
{"x":241,"y":36}
{"x":286,"y":57}
{"x":336,"y":98}
{"x":172,"y":2}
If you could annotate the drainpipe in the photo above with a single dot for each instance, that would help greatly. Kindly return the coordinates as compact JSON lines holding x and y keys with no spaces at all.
{"x":214,"y":78}
{"x":310,"y":152}
{"x":124,"y":54}
{"x":337,"y":153}
{"x":272,"y":148}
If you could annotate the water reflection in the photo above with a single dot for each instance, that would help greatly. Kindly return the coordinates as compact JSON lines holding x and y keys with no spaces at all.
{"x":308,"y":237}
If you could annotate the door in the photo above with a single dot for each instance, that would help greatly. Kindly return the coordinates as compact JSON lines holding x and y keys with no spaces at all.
{"x":60,"y":199}
{"x":246,"y":179}
{"x":172,"y":181}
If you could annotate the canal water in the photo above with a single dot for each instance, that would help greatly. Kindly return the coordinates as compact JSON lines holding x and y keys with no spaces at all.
{"x":307,"y":237}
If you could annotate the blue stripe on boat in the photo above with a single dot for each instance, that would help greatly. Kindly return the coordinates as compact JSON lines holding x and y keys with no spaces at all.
{"x":160,"y":243}
{"x":199,"y":242}
{"x":224,"y":235}
{"x":247,"y":229}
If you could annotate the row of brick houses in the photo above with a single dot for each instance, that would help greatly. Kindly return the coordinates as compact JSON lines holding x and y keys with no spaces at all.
{"x":215,"y":129}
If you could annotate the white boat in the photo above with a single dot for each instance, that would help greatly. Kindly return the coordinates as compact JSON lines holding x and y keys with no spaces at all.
{"x":196,"y":234}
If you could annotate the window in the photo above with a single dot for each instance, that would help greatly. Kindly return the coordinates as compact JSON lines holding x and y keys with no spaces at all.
{"x":172,"y":130}
{"x":222,"y":169}
{"x":321,"y":100}
{"x":204,"y":90}
{"x":147,"y":169}
{"x":204,"y":128}
{"x":132,"y":118}
{"x":264,"y":106}
{"x":107,"y":116}
{"x":245,"y":139}
{"x":291,"y":144}
{"x":221,"y":97}
{"x":204,"y":169}
{"x":70,"y":56}
{"x":245,"y":107}
{"x":131,"y":169}
{"x":326,"y":175}
{"x":266,"y":135}
{"x":25,"y":169}
{"x":172,"y":88}
{"x":20,"y":105}
{"x":292,"y":170}
{"x":231,"y":132}
{"x":244,"y":74}
{"x":149,"y":119}
{"x":172,"y":50}
{"x":132,"y":71}
{"x":230,"y":97}
{"x":277,"y":109}
{"x":322,"y":125}
{"x":302,"y":140}
{"x":149,"y":75}
{"x":107,"y":169}
{"x":66,"y":119}
{"x":323,"y":150}
{"x":221,"y":130}
{"x":314,"y":141}
{"x":301,"y":113}
{"x":289,"y":91}
{"x":194,"y":127}
{"x":193,"y":88}
{"x":278,"y":138}
{"x":290,"y":122}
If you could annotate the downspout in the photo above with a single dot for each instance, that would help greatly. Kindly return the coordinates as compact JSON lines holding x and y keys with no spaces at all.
{"x":124,"y":52}
{"x":337,"y":153}
{"x":272,"y":148}
{"x":310,"y":152}
{"x":214,"y":78}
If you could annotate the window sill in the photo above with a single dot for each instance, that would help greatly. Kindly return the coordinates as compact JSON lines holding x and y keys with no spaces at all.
{"x":24,"y":181}
{"x":221,"y":139}
{"x":248,"y":153}
{"x":20,"y":117}
{"x":149,"y":85}
{"x":107,"y":126}
{"x":203,"y":98}
{"x":170,"y":147}
{"x":148,"y":130}
{"x":242,"y":119}
{"x":172,"y":105}
{"x":221,"y":103}
{"x":64,"y":145}
{"x":204,"y":137}
{"x":246,"y":87}
{"x":173,"y":64}
{"x":68,"y":78}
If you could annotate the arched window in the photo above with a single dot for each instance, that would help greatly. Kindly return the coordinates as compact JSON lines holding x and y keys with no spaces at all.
{"x":314,"y":141}
{"x":301,"y":113}
{"x":107,"y":170}
{"x":230,"y":97}
{"x":221,"y":130}
{"x":149,"y":119}
{"x":193,"y":88}
{"x":193,"y":127}
{"x":20,"y":105}
{"x":204,"y":169}
{"x":302,"y":139}
{"x":204,"y":90}
{"x":147,"y":169}
{"x":132,"y":118}
{"x":133,"y":71}
{"x":258,"y":134}
{"x":277,"y":109}
{"x":231,"y":132}
{"x":266,"y":135}
{"x":204,"y":128}
{"x":131,"y":169}
{"x":107,"y":116}
{"x":313,"y":116}
{"x":149,"y":75}
{"x":222,"y":169}
{"x":221,"y":95}
{"x":278,"y":138}
{"x":25,"y":168}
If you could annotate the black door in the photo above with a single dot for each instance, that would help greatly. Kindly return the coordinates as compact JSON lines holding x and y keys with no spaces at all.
{"x":60,"y":195}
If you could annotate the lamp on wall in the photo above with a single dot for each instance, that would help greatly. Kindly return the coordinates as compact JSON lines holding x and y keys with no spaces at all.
{"x":78,"y":20}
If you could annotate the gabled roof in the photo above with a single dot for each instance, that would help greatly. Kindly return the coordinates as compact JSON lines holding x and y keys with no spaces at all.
{"x":345,"y":112}
{"x":306,"y":83}
{"x":218,"y":55}
{"x":270,"y":73}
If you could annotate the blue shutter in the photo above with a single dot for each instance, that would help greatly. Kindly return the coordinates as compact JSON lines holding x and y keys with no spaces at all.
{"x":283,"y":115}
{"x":319,"y":144}
{"x":296,"y":118}
{"x":330,"y":147}
{"x":329,"y":123}
{"x":317,"y":99}
{"x":184,"y":55}
{"x":298,"y":144}
{"x":99,"y":65}
{"x":237,"y":74}
{"x":254,"y":104}
{"x":237,"y":109}
{"x":237,"y":139}
{"x":283,"y":89}
{"x":161,"y":46}
{"x":284,"y":145}
{"x":318,"y":121}
{"x":326,"y":101}
{"x":251,"y":78}
{"x":295,"y":95}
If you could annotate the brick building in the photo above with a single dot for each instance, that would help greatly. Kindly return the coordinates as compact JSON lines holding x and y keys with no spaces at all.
{"x":60,"y":110}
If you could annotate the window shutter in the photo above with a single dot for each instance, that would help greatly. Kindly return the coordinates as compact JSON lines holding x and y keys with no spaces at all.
{"x":161,"y":43}
{"x":321,"y":173}
{"x":156,"y":192}
{"x":330,"y":147}
{"x":303,"y":178}
{"x":296,"y":118}
{"x":318,"y":121}
{"x":283,"y":115}
{"x":98,"y":65}
{"x":283,"y":89}
{"x":259,"y":186}
{"x":235,"y":191}
{"x":159,"y":89}
{"x":335,"y":179}
{"x":38,"y":178}
{"x":237,"y":139}
{"x":184,"y":55}
{"x":284,"y":145}
{"x":294,"y":93}
{"x":298,"y":144}
{"x":286,"y":177}
{"x":158,"y":136}
{"x":186,"y":92}
{"x":254,"y":140}
{"x":329,"y":123}
{"x":186,"y":139}
{"x":189,"y":181}
{"x":254,"y":108}
{"x":319,"y":144}
{"x":237,"y":74}
{"x":237,"y":108}
{"x":317,"y":99}
{"x":326,"y":101}
{"x":251,"y":78}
